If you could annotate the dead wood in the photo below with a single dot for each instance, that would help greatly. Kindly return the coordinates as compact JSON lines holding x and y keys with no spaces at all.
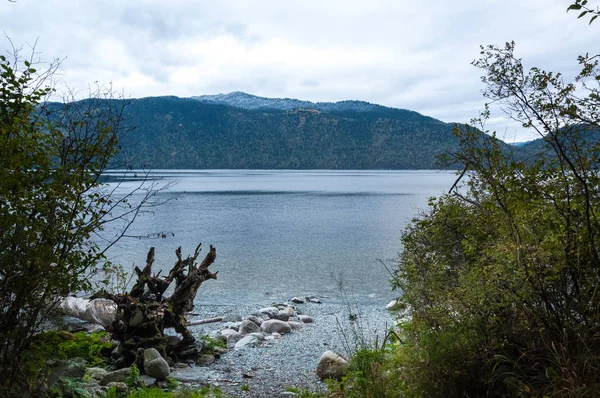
{"x":144,"y":313}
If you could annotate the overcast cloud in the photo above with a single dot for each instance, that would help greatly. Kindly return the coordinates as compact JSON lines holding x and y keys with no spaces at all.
{"x":406,"y":54}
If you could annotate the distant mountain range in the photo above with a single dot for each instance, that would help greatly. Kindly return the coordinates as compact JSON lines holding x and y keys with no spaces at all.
{"x":239,"y":130}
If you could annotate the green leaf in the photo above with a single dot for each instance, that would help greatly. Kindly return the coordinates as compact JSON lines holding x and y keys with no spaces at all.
{"x":582,"y":14}
{"x":574,"y":7}
{"x":594,"y":17}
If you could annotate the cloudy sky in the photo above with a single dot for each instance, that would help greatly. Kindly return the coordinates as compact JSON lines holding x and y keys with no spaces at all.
{"x":401,"y":53}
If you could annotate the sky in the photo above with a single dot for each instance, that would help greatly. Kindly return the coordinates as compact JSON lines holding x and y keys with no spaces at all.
{"x":405,"y":54}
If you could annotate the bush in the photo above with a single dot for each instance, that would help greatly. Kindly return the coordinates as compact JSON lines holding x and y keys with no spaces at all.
{"x":501,"y":275}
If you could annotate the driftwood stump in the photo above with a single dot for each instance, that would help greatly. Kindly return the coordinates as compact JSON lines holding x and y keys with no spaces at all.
{"x":144,"y":313}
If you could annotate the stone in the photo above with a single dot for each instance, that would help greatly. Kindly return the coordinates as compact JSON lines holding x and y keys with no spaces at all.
{"x":155,"y":365}
{"x":190,"y":352}
{"x":305,"y":319}
{"x":247,"y":341}
{"x":148,"y":381}
{"x":295,"y":325}
{"x":291,"y":311}
{"x":119,"y":375}
{"x":95,"y":373}
{"x":313,"y":299}
{"x":233,"y":338}
{"x":275,"y":325}
{"x":228,"y":332}
{"x":75,"y":368}
{"x":247,"y":327}
{"x":331,"y":366}
{"x":94,"y":390}
{"x":258,"y":335}
{"x":298,"y":300}
{"x":271,"y":312}
{"x":231,"y":325}
{"x":205,"y":360}
{"x":119,"y":386}
{"x":282,"y":316}
{"x":254,"y":319}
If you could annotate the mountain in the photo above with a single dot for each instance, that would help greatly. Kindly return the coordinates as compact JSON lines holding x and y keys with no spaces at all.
{"x":237,"y":131}
{"x":173,"y":132}
{"x":242,"y":100}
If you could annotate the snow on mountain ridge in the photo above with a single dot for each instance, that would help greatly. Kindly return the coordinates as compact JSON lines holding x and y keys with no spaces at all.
{"x":247,"y":101}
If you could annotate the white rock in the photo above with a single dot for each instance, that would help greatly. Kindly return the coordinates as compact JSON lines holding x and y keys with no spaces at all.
{"x":247,"y":341}
{"x":275,"y":326}
{"x":331,"y":366}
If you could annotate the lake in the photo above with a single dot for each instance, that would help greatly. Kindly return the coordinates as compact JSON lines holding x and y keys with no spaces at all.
{"x":284,"y":233}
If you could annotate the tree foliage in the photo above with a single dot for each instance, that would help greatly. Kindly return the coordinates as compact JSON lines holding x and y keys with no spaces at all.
{"x":582,"y":7}
{"x":501,"y":276}
{"x":51,"y":200}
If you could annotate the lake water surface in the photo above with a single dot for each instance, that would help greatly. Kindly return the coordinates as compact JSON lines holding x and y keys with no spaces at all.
{"x":285,"y":233}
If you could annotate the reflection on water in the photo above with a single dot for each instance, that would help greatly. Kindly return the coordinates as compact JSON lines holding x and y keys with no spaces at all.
{"x":284,"y":233}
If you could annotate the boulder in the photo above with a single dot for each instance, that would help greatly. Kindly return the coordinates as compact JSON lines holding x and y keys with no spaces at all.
{"x":205,"y":360}
{"x":282,"y":316}
{"x":275,"y":326}
{"x":258,"y":335}
{"x":233,"y":338}
{"x":75,"y":368}
{"x":147,"y":381}
{"x":295,"y":325}
{"x":231,"y":325}
{"x":331,"y":366}
{"x":247,"y":341}
{"x":95,"y":373}
{"x":155,"y":365}
{"x":255,"y":319}
{"x":271,"y":312}
{"x":291,"y":311}
{"x":228,"y":332}
{"x":305,"y":319}
{"x":247,"y":327}
{"x":119,"y":375}
{"x":119,"y":386}
{"x":298,"y":300}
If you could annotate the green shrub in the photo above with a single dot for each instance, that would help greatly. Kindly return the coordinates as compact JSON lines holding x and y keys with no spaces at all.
{"x":210,"y":344}
{"x":500,"y":277}
{"x":95,"y":348}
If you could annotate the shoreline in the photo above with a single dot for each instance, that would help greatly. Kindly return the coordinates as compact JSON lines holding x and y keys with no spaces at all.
{"x":289,"y":361}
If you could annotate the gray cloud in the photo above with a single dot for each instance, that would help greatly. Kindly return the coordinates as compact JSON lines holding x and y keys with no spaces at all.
{"x":395,"y":52}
